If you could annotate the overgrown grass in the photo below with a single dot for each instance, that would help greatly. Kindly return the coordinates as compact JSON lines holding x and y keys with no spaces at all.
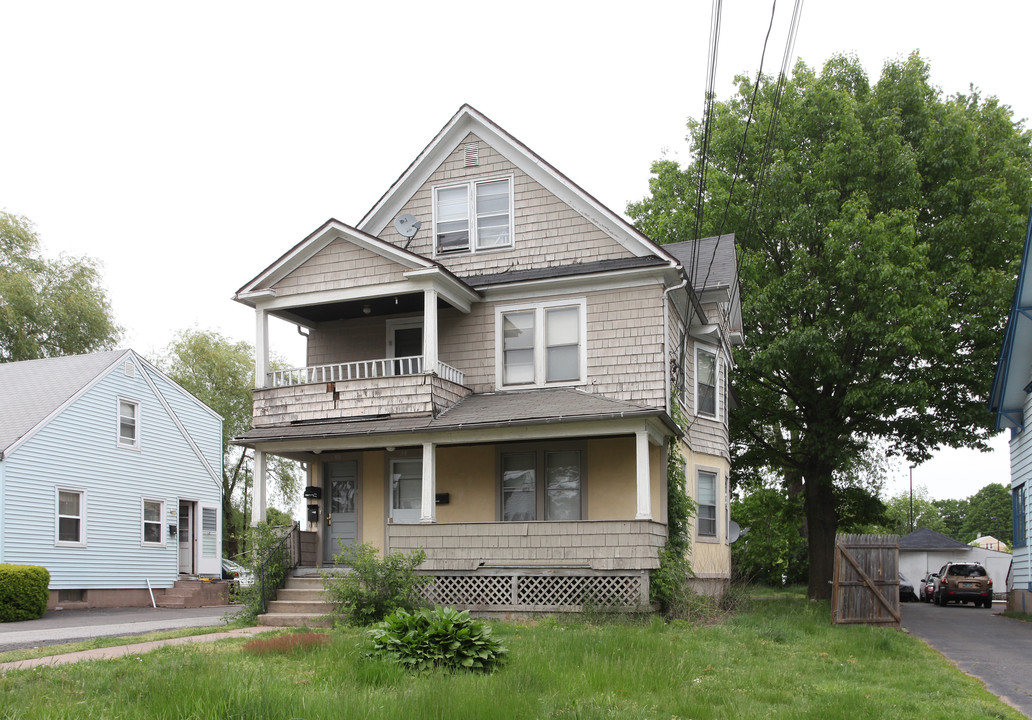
{"x":782,"y":659}
{"x":1024,"y":617}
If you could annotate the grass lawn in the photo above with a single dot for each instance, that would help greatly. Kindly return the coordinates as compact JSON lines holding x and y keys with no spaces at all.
{"x":780,"y":659}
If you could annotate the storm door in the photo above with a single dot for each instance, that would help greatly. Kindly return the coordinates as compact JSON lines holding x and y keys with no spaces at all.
{"x":186,"y":540}
{"x":405,"y":342}
{"x":406,"y":489}
{"x":341,"y":485}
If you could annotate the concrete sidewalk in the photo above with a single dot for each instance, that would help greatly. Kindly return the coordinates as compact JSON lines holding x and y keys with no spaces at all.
{"x":65,"y":626}
{"x":123,"y":650}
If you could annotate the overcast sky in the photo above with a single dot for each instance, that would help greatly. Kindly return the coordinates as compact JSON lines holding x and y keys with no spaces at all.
{"x":187,"y":145}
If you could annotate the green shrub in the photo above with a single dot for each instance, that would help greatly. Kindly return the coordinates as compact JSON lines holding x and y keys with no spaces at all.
{"x":438,"y":638}
{"x":375,"y":587}
{"x":268,"y":559}
{"x":24,"y":590}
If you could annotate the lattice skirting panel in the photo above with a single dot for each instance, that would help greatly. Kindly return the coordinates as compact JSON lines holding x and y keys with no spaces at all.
{"x":539,"y":590}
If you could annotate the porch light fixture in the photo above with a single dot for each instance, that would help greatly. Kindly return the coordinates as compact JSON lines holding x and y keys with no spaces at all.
{"x":366,"y":309}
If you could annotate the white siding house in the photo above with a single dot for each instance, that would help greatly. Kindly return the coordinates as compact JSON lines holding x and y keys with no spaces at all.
{"x":110,"y":477}
{"x":1011,"y":402}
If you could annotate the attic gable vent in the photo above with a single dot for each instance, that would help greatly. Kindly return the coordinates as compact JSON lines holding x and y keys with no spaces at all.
{"x":130,"y":370}
{"x":472,"y":154}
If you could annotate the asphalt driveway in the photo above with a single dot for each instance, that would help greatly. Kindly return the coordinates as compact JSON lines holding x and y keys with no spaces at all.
{"x":995,"y":649}
{"x":63,"y":626}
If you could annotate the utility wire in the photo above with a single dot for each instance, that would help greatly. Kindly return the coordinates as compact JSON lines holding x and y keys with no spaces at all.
{"x":711,"y":73}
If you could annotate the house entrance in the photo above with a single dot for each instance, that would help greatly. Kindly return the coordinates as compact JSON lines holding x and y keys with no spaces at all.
{"x":341,"y":485}
{"x":405,"y":340}
{"x":186,"y":539}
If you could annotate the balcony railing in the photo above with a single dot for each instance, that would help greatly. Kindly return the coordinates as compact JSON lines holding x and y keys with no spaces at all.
{"x":360,"y":370}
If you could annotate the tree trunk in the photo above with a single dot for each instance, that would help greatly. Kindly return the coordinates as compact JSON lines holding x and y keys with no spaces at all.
{"x":822,"y":522}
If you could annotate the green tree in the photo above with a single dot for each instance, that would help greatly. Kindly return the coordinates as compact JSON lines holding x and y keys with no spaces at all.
{"x":48,"y":307}
{"x":879,"y":234}
{"x":220,"y":373}
{"x":989,"y":513}
{"x":897,"y":514}
{"x":952,"y":513}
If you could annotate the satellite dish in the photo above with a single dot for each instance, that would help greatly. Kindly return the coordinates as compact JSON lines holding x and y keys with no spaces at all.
{"x":734,"y":531}
{"x":407,"y":225}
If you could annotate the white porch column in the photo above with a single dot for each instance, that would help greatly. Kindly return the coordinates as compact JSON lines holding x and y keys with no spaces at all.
{"x":430,"y":331}
{"x":428,"y":507}
{"x":258,"y":489}
{"x":644,"y":477}
{"x":261,"y":347}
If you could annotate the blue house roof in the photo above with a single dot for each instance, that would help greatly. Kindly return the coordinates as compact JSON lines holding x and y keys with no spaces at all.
{"x":1014,"y":368}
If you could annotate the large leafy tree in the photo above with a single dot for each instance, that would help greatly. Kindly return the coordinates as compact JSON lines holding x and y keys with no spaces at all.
{"x":989,"y":513}
{"x":48,"y":307}
{"x":220,"y":373}
{"x":879,"y":234}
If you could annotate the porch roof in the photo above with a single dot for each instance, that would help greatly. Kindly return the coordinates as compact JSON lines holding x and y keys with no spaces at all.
{"x":513,"y":408}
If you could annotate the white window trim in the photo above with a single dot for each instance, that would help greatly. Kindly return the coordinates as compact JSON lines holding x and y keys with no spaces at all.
{"x":135,"y":445}
{"x":471,"y":214}
{"x":715,"y":352}
{"x":715,"y":537}
{"x":539,"y":343}
{"x":57,"y":517}
{"x":144,"y":521}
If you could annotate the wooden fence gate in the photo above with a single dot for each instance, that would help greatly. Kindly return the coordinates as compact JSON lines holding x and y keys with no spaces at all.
{"x":866,"y":580}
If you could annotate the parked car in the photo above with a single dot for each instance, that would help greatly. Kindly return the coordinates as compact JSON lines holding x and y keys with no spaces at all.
{"x":236,"y":572}
{"x":906,"y":590}
{"x":963,"y":582}
{"x":927,"y":587}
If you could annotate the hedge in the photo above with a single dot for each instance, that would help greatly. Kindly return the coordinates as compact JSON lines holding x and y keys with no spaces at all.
{"x":23,"y":592}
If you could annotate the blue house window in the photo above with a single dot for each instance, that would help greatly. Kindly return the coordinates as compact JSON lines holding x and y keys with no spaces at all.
{"x":128,"y":423}
{"x":1020,"y":526}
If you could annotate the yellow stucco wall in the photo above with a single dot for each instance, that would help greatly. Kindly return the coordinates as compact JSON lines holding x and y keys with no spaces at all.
{"x":467,"y":474}
{"x":610,"y":481}
{"x":373,"y":499}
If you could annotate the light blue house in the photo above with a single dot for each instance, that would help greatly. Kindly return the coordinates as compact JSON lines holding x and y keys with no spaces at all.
{"x":1011,"y":402}
{"x":110,"y":477}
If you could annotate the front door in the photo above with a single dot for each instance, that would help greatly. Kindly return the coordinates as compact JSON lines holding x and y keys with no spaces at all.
{"x":341,"y":485}
{"x":405,"y":340}
{"x":186,"y":545}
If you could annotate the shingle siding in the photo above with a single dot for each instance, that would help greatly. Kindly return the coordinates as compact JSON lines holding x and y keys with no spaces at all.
{"x":337,"y":266}
{"x":1021,"y":472}
{"x":77,"y":449}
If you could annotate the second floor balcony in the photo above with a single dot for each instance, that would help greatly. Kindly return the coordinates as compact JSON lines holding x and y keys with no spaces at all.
{"x":351,"y":390}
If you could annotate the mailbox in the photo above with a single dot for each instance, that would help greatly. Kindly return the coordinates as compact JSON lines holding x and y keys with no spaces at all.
{"x":313,"y":492}
{"x":313,"y":513}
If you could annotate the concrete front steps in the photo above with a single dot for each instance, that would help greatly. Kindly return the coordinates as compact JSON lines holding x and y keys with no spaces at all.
{"x":194,"y":594}
{"x":301,"y":603}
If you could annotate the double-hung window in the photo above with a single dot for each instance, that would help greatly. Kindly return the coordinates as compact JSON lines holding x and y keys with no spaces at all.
{"x":1019,"y":515}
{"x":707,"y":500}
{"x":706,"y":371}
{"x":473,"y":216}
{"x":544,"y":483}
{"x":128,"y":423}
{"x":541,"y":344}
{"x":153,"y":530}
{"x":70,"y":520}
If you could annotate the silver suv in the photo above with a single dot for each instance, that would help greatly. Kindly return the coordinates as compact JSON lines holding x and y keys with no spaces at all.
{"x":961,"y":582}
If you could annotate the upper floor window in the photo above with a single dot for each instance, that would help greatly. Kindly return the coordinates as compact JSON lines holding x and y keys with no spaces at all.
{"x":707,"y":499}
{"x":706,"y":396}
{"x":128,"y":423}
{"x":473,"y":216}
{"x":541,"y":344}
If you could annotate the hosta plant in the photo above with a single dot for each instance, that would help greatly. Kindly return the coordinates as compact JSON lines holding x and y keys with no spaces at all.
{"x":441,"y":637}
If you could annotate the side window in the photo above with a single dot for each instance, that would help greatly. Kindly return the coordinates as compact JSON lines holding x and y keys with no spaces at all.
{"x":707,"y":500}
{"x":706,"y":382}
{"x":1018,"y":513}
{"x":128,"y":423}
{"x":153,"y":531}
{"x":70,"y":520}
{"x":473,"y":216}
